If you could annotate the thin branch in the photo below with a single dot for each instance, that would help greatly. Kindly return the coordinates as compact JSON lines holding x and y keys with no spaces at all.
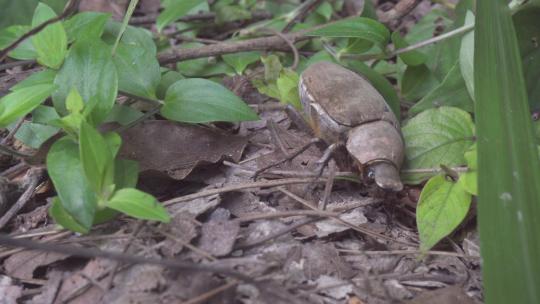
{"x":34,"y":175}
{"x":241,"y":186}
{"x":71,"y":7}
{"x":91,"y":253}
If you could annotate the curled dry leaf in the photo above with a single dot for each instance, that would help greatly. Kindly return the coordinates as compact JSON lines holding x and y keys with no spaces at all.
{"x":176,"y":149}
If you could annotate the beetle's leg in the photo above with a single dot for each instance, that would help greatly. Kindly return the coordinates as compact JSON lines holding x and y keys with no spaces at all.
{"x":327,"y":155}
{"x":297,"y":118}
{"x":290,"y":157}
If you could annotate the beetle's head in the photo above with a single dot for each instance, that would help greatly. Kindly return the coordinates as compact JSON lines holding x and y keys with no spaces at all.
{"x":384,"y":174}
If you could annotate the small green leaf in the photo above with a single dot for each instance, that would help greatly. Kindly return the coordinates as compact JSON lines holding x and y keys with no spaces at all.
{"x":51,"y":43}
{"x":199,"y":100}
{"x":230,"y":13}
{"x":442,"y":207}
{"x":359,"y":27}
{"x":417,"y":81}
{"x":272,"y":67}
{"x":89,"y":68}
{"x":174,"y":11}
{"x":25,"y":50}
{"x":452,"y":91}
{"x":96,"y":159}
{"x":126,"y":173}
{"x":67,"y":175}
{"x":411,"y":57}
{"x":34,"y":134}
{"x":138,"y":204}
{"x":43,"y":77}
{"x":21,"y":102}
{"x":436,"y":137}
{"x":74,"y":102}
{"x":168,"y":79}
{"x":469,"y":179}
{"x":44,"y":114}
{"x":240,"y":61}
{"x":63,"y":218}
{"x":114,"y":142}
{"x":86,"y":25}
{"x":466,"y":56}
{"x":287,"y":84}
{"x":138,"y":70}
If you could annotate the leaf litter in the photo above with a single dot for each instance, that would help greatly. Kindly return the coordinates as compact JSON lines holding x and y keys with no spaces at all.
{"x":314,"y":259}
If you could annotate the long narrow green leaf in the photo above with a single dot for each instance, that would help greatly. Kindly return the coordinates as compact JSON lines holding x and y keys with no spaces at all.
{"x":508,"y":164}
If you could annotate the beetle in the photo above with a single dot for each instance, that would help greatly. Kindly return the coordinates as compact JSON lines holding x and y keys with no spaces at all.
{"x":342,"y":107}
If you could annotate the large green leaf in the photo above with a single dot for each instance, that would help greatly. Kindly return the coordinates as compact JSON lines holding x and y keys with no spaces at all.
{"x":67,"y":175}
{"x":359,"y":27}
{"x":90,"y":68}
{"x":25,"y":50}
{"x":174,"y":11}
{"x":43,"y":77}
{"x":442,"y":207}
{"x":50,"y":43}
{"x":63,"y":218}
{"x":21,"y":102}
{"x":436,"y":137}
{"x":508,"y":163}
{"x":240,"y":61}
{"x":86,"y":25}
{"x":417,"y":81}
{"x":199,"y":100}
{"x":452,"y":91}
{"x":528,"y":34}
{"x":138,"y":204}
{"x":97,"y":160}
{"x":20,"y":12}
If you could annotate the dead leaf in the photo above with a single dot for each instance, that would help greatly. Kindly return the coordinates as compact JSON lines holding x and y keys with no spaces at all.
{"x":22,"y":265}
{"x":176,"y":149}
{"x":447,"y":295}
{"x":219,"y":234}
{"x":183,"y":229}
{"x":9,"y":292}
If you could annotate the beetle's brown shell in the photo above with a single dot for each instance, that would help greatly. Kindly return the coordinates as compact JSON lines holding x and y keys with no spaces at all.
{"x":346,"y":96}
{"x":374,"y":141}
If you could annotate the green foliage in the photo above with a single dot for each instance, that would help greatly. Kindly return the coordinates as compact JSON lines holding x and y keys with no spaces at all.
{"x":359,"y":27}
{"x":89,"y":68}
{"x":25,"y":50}
{"x":174,"y":11}
{"x":199,"y":100}
{"x":409,"y":58}
{"x":442,"y":206}
{"x":22,"y":101}
{"x":86,"y":25}
{"x":51,"y":43}
{"x":436,"y":137}
{"x":508,"y":175}
{"x":138,"y":204}
{"x":240,"y":61}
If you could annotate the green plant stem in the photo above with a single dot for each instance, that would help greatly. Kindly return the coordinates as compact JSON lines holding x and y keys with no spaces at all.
{"x":125,"y":22}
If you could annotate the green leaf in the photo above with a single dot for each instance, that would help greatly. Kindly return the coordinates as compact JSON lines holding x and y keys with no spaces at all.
{"x":508,"y":175}
{"x":442,"y":207}
{"x":168,"y":79}
{"x":25,"y":50}
{"x":359,"y":27}
{"x":123,"y":115}
{"x":126,"y":173}
{"x":74,"y":102}
{"x":452,"y":91}
{"x":51,"y":43}
{"x":21,"y":102}
{"x":174,"y":11}
{"x":42,"y":77}
{"x":97,"y":160}
{"x":44,"y":114}
{"x":135,"y":36}
{"x":63,"y":218}
{"x":410,"y":58}
{"x":199,"y":100}
{"x":34,"y":134}
{"x":272,"y":67}
{"x":528,"y":33}
{"x":86,"y":25}
{"x":240,"y":61}
{"x":89,"y":68}
{"x":466,"y":56}
{"x":436,"y":137}
{"x":138,"y":70}
{"x":230,"y":13}
{"x":469,"y":179}
{"x":114,"y":142}
{"x":138,"y":204}
{"x":66,"y":172}
{"x":417,"y":81}
{"x":287,"y":85}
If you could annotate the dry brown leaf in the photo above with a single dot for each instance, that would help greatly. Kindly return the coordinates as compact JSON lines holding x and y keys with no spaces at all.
{"x":22,"y":265}
{"x":176,"y":149}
